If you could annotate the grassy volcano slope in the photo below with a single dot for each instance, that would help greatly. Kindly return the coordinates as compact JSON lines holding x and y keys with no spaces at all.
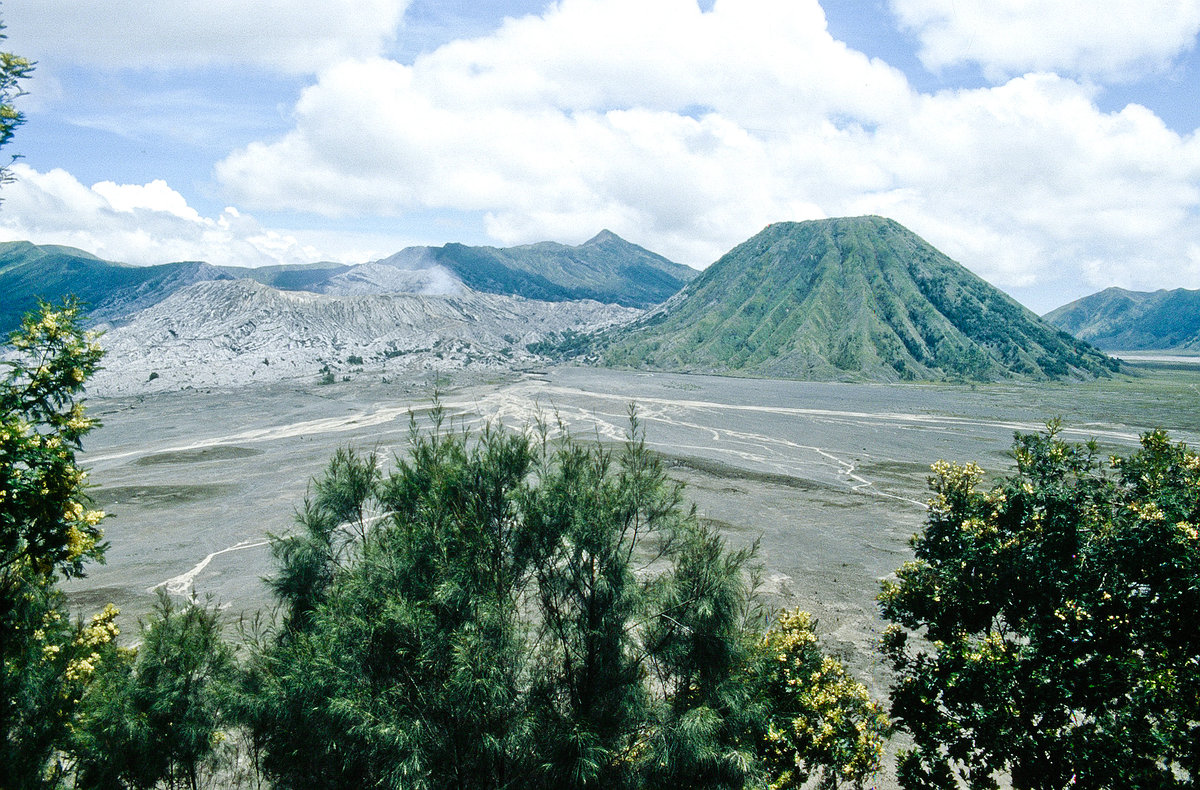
{"x":29,"y":272}
{"x":1134,"y":320}
{"x":605,"y":268}
{"x":855,"y":298}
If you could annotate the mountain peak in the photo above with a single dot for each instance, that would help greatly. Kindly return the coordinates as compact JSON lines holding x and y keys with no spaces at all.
{"x":605,"y":236}
{"x":1124,"y":320}
{"x":848,"y":298}
{"x":606,"y":268}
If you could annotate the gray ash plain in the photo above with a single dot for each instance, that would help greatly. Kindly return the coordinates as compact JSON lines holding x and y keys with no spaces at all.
{"x":830,"y":478}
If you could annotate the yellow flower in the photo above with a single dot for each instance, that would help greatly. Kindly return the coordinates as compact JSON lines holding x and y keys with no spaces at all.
{"x":102,"y":629}
{"x":1151,"y":512}
{"x":81,"y":669}
{"x":78,"y":543}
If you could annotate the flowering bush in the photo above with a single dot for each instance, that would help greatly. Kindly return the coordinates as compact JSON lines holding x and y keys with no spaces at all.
{"x":1046,"y":630}
{"x":47,"y":531}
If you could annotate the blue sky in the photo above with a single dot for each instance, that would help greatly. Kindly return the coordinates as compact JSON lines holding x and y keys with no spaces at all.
{"x":1048,"y":145}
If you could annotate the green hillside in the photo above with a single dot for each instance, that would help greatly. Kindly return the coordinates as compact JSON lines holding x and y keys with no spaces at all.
{"x":856,"y":298}
{"x":29,"y":272}
{"x":605,"y":268}
{"x":1122,"y":320}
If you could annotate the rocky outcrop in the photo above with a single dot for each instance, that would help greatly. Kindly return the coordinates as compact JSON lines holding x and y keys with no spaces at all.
{"x":232,"y":333}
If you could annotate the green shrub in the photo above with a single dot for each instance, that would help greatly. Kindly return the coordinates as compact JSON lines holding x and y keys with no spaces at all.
{"x":1056,"y":611}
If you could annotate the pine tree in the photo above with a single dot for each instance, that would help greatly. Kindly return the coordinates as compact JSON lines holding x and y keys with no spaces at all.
{"x":510,"y":610}
{"x":156,"y":714}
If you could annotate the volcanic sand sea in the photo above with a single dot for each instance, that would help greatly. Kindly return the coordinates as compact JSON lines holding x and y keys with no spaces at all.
{"x":831,"y":478}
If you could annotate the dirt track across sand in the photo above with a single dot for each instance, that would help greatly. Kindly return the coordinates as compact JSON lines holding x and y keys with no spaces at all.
{"x":829,"y":478}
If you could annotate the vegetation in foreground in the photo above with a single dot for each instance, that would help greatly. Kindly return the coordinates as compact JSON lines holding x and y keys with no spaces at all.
{"x":515,"y":611}
{"x":1046,"y":630}
{"x":511,"y":610}
{"x":499,"y":611}
{"x":46,"y":532}
{"x":75,"y":709}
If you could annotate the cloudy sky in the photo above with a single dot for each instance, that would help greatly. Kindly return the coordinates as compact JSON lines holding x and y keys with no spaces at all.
{"x":1049,"y":145}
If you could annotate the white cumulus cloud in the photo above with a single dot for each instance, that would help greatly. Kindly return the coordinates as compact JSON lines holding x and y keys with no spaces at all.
{"x":688,"y":131}
{"x":670,"y":125}
{"x":155,"y":196}
{"x":137,"y":223}
{"x":1100,"y":39}
{"x":1029,"y":180}
{"x":297,"y":36}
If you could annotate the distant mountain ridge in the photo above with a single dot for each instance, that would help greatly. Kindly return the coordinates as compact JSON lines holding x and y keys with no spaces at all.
{"x":29,"y":272}
{"x":606,"y":269}
{"x":852,"y":298}
{"x":190,"y":324}
{"x":1119,"y":320}
{"x":858,"y":298}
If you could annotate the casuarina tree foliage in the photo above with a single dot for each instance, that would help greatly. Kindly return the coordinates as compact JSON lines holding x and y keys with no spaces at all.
{"x":1047,"y":629}
{"x":156,"y":715}
{"x":511,"y":610}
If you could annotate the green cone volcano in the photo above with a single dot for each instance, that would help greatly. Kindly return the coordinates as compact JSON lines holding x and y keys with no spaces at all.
{"x":855,"y":298}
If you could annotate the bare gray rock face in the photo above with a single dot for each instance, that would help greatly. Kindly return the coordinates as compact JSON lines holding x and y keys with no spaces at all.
{"x":234,"y":333}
